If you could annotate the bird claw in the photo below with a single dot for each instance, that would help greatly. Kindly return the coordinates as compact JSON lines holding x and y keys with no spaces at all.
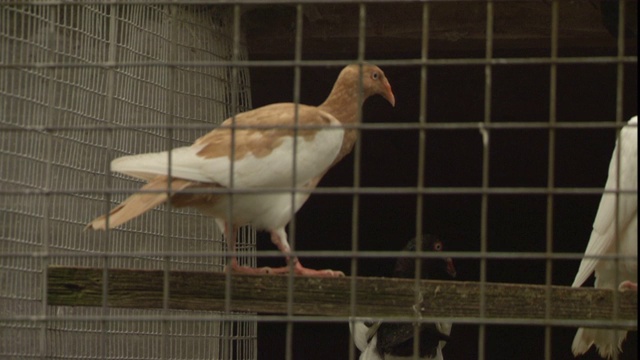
{"x":265,"y":270}
{"x":297,"y":270}
{"x":303,"y":271}
{"x":627,"y":286}
{"x":329,"y":273}
{"x":251,"y":271}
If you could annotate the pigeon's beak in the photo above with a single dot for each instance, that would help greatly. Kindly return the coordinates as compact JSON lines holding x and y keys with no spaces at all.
{"x":388,"y":94}
{"x":451,"y":269}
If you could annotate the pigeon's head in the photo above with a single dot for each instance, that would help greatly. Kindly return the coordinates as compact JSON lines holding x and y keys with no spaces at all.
{"x":432,"y":268}
{"x":374,"y":82}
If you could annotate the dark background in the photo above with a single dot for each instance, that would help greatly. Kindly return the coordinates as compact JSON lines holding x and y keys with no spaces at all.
{"x":518,"y":158}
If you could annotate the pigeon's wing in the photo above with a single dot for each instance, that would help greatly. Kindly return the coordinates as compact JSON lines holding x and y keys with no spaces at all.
{"x":604,"y":226}
{"x":259,"y":151}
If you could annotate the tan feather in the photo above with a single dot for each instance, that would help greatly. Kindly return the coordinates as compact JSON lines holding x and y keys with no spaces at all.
{"x":261,"y":141}
{"x":139,"y":203}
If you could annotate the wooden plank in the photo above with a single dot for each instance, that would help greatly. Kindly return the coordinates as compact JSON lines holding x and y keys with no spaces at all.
{"x":376,"y":297}
{"x":397,"y":27}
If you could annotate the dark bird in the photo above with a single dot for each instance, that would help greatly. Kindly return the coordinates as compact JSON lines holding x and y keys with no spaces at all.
{"x":610,"y":14}
{"x":388,"y":340}
{"x":237,"y":156}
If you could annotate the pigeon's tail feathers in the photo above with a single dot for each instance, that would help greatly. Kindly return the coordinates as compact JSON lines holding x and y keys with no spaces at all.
{"x":365,"y":339}
{"x":149,"y":197}
{"x":581,"y":342}
{"x":359,"y":332}
{"x":184,"y":164}
{"x":598,"y":245}
{"x":371,"y":352}
{"x":607,"y":342}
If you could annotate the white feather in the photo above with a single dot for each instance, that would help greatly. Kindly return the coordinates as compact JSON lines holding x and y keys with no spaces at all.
{"x":312,"y":157}
{"x":359,"y":331}
{"x":364,"y":343}
{"x":184,"y":164}
{"x":610,"y":237}
{"x":602,"y":239}
{"x":266,"y":211}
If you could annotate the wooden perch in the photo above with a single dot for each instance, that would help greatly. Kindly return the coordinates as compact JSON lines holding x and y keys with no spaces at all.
{"x":376,"y":297}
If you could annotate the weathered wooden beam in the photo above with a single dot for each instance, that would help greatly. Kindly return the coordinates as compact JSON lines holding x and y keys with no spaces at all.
{"x":397,"y":27}
{"x":376,"y":297}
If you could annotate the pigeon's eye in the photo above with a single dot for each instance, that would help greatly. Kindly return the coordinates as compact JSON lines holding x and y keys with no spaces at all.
{"x":437,"y":246}
{"x":375,"y":75}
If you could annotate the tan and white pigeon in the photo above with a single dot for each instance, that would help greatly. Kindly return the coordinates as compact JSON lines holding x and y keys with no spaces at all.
{"x":607,"y":238}
{"x":256,"y":158}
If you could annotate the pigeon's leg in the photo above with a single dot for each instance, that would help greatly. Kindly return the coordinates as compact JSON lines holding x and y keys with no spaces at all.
{"x":279,"y":238}
{"x":628,"y":285}
{"x":230,"y":235}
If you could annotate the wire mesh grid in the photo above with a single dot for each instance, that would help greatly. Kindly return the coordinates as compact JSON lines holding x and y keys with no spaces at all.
{"x":172,"y":99}
{"x":35,"y":160}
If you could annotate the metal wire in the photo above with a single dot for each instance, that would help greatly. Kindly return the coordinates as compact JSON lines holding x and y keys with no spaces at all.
{"x":553,"y":77}
{"x":378,"y":126}
{"x":345,"y":190}
{"x":316,"y":63}
{"x":331,"y":254}
{"x":121,"y":315}
{"x":225,"y":2}
{"x":153,"y":77}
{"x":72,"y":97}
{"x":485,"y":178}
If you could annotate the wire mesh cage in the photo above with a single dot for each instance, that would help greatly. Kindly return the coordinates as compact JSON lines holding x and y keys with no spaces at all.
{"x":507,"y":114}
{"x":62,"y":126}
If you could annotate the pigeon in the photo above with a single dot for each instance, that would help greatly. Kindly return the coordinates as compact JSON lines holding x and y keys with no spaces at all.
{"x":607,"y":238}
{"x":382,"y":340}
{"x":262,"y":157}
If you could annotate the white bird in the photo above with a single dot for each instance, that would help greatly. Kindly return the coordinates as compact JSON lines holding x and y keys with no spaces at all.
{"x":257,"y":154}
{"x":387,"y":340}
{"x":619,"y":202}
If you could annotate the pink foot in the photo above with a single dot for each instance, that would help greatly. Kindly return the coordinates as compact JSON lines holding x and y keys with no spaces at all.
{"x":319,"y":273}
{"x":297,"y":270}
{"x":252,"y":271}
{"x":628,"y":285}
{"x":303,"y":271}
